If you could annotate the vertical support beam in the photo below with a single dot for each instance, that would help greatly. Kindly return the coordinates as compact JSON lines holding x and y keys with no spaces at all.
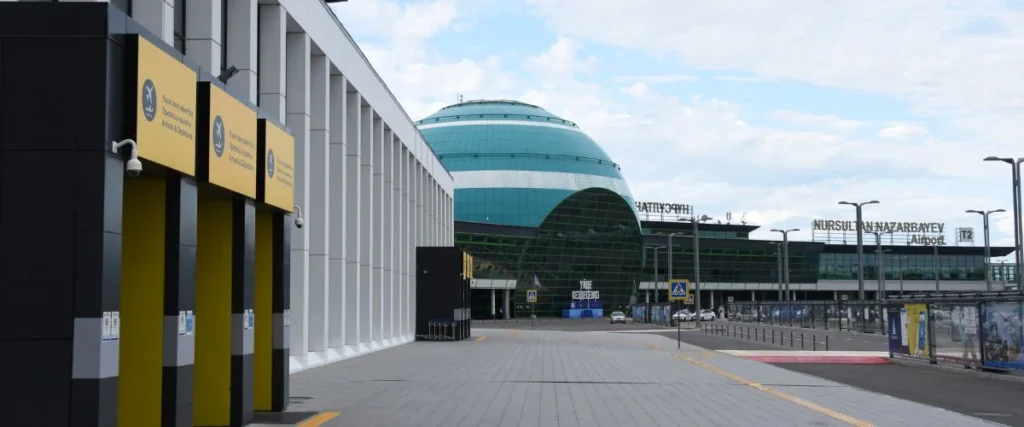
{"x":377,"y":236}
{"x":156,"y":16}
{"x":337,"y":194}
{"x":273,"y":25}
{"x":395,"y":214}
{"x":401,"y":205}
{"x":202,"y":34}
{"x":179,"y":301}
{"x":319,"y":203}
{"x":243,"y":285}
{"x":365,"y":225}
{"x":241,"y":43}
{"x":387,"y":310}
{"x":281,"y":361}
{"x":353,"y":214}
{"x":297,"y":107}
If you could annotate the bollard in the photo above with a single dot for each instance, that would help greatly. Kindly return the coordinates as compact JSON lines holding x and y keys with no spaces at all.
{"x":791,"y":339}
{"x":814,"y":343}
{"x":801,"y":340}
{"x":431,"y":331}
{"x":773,"y":336}
{"x":826,"y":342}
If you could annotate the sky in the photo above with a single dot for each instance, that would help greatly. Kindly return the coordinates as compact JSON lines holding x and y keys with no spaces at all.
{"x":773,"y":110}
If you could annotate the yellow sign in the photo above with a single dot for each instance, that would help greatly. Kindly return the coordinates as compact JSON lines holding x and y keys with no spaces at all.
{"x":278,"y":166}
{"x":679,"y":290}
{"x":917,"y":330}
{"x":232,"y":143}
{"x":165,"y":118}
{"x":467,"y":265}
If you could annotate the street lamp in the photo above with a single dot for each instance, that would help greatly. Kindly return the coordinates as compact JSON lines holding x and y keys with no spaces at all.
{"x":878,"y":263}
{"x":938,"y":274}
{"x":988,"y":251}
{"x":860,"y":244}
{"x":655,"y":283}
{"x":696,"y":264}
{"x":1015,"y":175}
{"x":778,"y":268}
{"x":785,"y":257}
{"x":901,"y":258}
{"x":670,"y":278}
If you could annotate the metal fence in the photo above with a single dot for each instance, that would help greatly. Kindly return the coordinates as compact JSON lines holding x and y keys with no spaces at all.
{"x":980,"y":330}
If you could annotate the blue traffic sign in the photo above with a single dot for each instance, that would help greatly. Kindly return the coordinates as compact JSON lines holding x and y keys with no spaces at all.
{"x":531,"y":296}
{"x":679,"y":290}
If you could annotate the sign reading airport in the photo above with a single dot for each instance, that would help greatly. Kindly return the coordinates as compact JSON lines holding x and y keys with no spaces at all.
{"x":278,"y":148}
{"x":165,"y":118}
{"x":897,"y":232}
{"x":232,"y":143}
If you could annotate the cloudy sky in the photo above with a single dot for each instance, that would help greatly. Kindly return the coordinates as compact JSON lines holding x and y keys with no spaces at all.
{"x":773,"y":108}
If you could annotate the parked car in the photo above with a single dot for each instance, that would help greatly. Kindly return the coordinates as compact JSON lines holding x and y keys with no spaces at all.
{"x":618,"y":317}
{"x":707,"y":315}
{"x":684,"y":316}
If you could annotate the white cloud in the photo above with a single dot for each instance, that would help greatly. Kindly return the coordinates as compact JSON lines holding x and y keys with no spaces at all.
{"x":830,"y":122}
{"x":667,"y":78}
{"x":561,"y":59}
{"x":901,"y":132}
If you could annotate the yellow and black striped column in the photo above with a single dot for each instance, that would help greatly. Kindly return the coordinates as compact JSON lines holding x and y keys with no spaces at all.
{"x":243,"y":260}
{"x":280,"y":390}
{"x":273,"y":275}
{"x":179,"y":302}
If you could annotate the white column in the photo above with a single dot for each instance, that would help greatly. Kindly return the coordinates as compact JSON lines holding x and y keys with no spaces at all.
{"x":241,"y":45}
{"x":366,"y":220}
{"x":273,"y":26}
{"x":157,"y":16}
{"x":394,"y":300}
{"x":202,"y":34}
{"x":494,"y":302}
{"x":415,"y":215}
{"x":353,"y":216}
{"x":377,"y":235}
{"x":387,"y":232}
{"x":401,"y":265}
{"x":408,"y":250}
{"x":338,"y":208}
{"x":297,"y":109}
{"x":319,"y":202}
{"x":508,"y":296}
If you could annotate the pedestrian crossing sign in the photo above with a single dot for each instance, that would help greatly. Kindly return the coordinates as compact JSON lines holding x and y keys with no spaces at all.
{"x":679,"y":290}
{"x":531,"y":296}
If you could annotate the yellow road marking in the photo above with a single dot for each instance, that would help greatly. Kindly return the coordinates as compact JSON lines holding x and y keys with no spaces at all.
{"x":318,"y":419}
{"x":512,"y":335}
{"x":481,"y":337}
{"x":782,"y":395}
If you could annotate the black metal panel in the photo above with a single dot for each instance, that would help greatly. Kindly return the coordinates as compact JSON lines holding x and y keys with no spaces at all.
{"x":441,"y":288}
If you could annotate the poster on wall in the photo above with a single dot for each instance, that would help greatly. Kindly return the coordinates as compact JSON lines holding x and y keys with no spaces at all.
{"x":917,"y":330}
{"x":1002,"y":335}
{"x":956,"y":335}
{"x":895,"y":331}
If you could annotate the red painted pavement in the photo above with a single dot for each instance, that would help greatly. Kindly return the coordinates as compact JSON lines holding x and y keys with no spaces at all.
{"x":835,"y":360}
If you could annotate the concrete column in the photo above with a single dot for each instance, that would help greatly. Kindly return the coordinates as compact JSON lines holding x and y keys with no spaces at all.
{"x":401,"y":265}
{"x":297,"y":113}
{"x":377,"y":232}
{"x":157,"y":16}
{"x":365,"y":225}
{"x":407,"y":246}
{"x":241,"y":45}
{"x":319,"y":202}
{"x":337,"y":316}
{"x":202,"y":34}
{"x":387,"y":168}
{"x":494,"y":302}
{"x":395,"y":296}
{"x":353,"y":214}
{"x":273,"y":25}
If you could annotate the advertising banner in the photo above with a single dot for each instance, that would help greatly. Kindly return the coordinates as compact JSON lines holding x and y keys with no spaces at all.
{"x":165,"y":118}
{"x":278,"y":154}
{"x":955,"y":333}
{"x":232,"y":145}
{"x":1003,"y":335}
{"x":917,"y":330}
{"x":895,"y":331}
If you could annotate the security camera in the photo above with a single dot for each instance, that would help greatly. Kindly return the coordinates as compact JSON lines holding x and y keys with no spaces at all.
{"x":133,"y":167}
{"x":299,"y":222}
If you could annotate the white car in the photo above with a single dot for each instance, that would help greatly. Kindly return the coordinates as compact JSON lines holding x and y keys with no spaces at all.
{"x":684,"y":315}
{"x":618,"y":317}
{"x":707,"y":315}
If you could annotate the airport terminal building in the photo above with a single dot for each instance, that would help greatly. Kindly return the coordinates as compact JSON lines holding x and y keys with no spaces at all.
{"x":542,"y":207}
{"x":196,"y":199}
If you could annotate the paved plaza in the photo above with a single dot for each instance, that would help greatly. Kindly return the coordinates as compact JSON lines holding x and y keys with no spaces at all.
{"x":512,"y":377}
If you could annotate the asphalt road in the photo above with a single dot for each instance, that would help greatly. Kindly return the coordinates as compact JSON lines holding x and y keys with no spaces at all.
{"x":991,"y":399}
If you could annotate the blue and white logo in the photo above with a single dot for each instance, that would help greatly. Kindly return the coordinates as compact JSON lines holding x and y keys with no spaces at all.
{"x":218,"y":136}
{"x":270,"y":163}
{"x":679,"y":290}
{"x":149,"y":100}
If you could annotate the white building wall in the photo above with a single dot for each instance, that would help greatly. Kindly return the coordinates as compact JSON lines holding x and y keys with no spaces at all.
{"x":369,"y":186}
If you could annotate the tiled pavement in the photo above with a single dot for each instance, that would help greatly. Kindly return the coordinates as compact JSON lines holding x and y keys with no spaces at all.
{"x":557,"y":379}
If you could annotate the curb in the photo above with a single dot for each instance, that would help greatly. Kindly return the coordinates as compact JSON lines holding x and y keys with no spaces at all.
{"x":975,"y":372}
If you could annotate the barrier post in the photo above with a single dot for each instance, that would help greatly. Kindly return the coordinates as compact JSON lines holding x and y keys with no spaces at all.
{"x":791,"y":339}
{"x":801,"y":340}
{"x":773,"y":336}
{"x":826,"y":342}
{"x":814,"y":342}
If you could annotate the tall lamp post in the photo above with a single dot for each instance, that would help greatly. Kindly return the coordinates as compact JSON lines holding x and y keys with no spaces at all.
{"x":696,"y":265}
{"x":654,"y":284}
{"x":669,"y":279}
{"x":860,"y":244}
{"x":879,"y":262}
{"x":1015,"y":175}
{"x":880,"y":265}
{"x":778,"y":262}
{"x":988,"y":249}
{"x":785,"y":258}
{"x":900,"y":259}
{"x":938,"y":269}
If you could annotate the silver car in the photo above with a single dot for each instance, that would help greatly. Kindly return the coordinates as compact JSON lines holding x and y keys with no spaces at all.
{"x":618,"y":317}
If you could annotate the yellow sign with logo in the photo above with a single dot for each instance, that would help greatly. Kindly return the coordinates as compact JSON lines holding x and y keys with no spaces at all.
{"x":165,"y":119}
{"x":232,"y":148}
{"x":278,"y":166}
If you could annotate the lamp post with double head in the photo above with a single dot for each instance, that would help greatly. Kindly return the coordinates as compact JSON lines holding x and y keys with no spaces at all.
{"x":670,"y":278}
{"x":988,"y":249}
{"x":879,"y":263}
{"x":1015,"y":179}
{"x":860,"y":244}
{"x":785,"y":258}
{"x":778,"y":266}
{"x":654,"y":284}
{"x":696,"y":264}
